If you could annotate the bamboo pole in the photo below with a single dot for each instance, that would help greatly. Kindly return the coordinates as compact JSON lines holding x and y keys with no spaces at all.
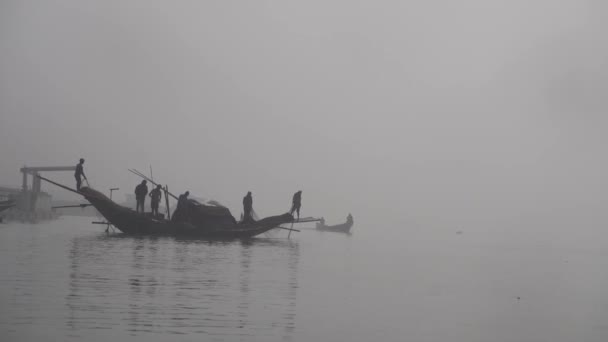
{"x":59,"y":185}
{"x":137,"y":173}
{"x":167,"y":202}
{"x":72,"y":206}
{"x":307,"y":220}
{"x":290,"y":229}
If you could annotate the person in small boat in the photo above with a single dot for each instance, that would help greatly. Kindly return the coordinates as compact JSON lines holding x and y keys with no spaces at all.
{"x":247,"y":207}
{"x":141,"y":191}
{"x":296,"y":203}
{"x":79,"y":174}
{"x":155,"y":196}
{"x":349,"y":218}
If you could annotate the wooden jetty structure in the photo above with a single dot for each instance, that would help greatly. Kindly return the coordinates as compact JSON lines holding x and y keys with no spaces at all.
{"x":4,"y":205}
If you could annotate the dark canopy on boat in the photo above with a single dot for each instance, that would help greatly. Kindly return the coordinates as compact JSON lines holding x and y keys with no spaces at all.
{"x":203,"y":215}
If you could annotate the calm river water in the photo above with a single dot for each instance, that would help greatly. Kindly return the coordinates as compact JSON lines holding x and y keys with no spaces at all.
{"x":68,"y":281}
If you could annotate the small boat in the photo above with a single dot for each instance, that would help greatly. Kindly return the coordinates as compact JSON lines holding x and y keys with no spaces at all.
{"x":343,"y":228}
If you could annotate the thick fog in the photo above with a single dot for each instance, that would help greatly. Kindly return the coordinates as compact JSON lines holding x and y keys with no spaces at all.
{"x":422,"y":112}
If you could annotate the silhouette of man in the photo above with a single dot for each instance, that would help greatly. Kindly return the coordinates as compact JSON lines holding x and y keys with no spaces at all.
{"x":155,"y":196}
{"x":79,"y":173}
{"x":181,"y":213}
{"x":247,"y":207}
{"x":296,"y":203}
{"x":141,"y":191}
{"x":182,"y":201}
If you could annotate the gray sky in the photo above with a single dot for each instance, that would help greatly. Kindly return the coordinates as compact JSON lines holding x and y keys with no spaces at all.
{"x":417,"y":111}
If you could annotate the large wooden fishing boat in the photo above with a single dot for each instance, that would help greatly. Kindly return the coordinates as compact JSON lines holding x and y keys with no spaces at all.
{"x":203,"y":220}
{"x":343,"y":228}
{"x":194,"y":220}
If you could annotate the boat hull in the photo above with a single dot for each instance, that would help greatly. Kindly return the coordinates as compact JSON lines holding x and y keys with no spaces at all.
{"x":130,"y":222}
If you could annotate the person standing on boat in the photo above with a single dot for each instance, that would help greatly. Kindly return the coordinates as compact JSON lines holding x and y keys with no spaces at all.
{"x":155,"y":196}
{"x":182,"y":200}
{"x":247,"y":207}
{"x":140,"y":195}
{"x":79,"y":174}
{"x":181,"y":213}
{"x":297,"y":203}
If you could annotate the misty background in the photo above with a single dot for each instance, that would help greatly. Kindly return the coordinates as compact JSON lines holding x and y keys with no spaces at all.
{"x":446,"y":113}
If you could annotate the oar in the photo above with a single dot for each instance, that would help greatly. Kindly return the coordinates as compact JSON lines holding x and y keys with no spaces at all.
{"x":307,"y":220}
{"x":290,"y":229}
{"x":84,"y":205}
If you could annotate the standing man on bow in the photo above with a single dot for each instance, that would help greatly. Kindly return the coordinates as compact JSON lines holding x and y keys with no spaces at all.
{"x":79,"y":174}
{"x":296,"y":203}
{"x":141,"y":191}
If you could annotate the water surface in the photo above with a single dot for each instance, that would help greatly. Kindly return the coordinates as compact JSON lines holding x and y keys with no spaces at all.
{"x":67,"y":280}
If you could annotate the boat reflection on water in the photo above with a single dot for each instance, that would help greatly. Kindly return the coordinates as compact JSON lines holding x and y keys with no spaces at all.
{"x":155,"y":286}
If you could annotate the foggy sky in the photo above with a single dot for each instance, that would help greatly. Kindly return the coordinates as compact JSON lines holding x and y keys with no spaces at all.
{"x":452,"y":112}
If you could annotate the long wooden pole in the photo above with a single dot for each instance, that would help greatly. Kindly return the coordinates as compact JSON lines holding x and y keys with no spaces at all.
{"x":307,"y":220}
{"x":290,"y":229}
{"x":167,"y":202}
{"x":84,"y":205}
{"x":59,"y":185}
{"x":137,"y":173}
